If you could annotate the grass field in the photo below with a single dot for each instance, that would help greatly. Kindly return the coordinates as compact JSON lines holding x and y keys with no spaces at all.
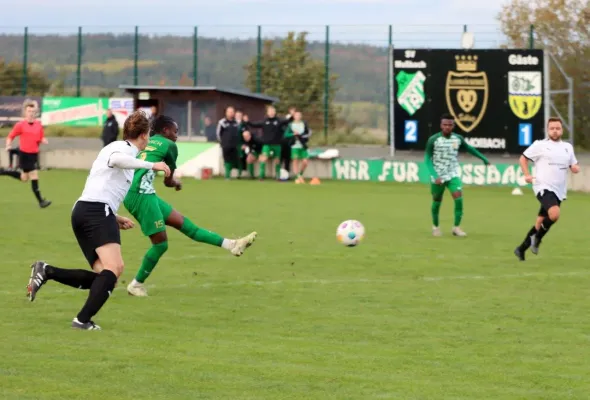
{"x":402,"y":316}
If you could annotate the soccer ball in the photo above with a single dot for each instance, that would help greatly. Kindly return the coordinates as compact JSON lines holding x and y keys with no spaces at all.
{"x":350,"y":233}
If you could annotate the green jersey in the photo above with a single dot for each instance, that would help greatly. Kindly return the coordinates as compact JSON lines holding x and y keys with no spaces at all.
{"x":442,"y":155}
{"x":158,"y":149}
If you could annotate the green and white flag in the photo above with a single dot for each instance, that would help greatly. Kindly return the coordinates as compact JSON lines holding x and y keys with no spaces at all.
{"x":410,"y":91}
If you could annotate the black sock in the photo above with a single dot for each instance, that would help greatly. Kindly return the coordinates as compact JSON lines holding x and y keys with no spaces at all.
{"x":527,"y":240}
{"x":545,"y":225}
{"x":14,"y":174}
{"x":101,"y":289}
{"x":35,"y":186}
{"x":76,"y":278}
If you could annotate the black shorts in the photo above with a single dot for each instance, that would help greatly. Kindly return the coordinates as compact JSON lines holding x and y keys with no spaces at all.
{"x":547,"y":199}
{"x":28,"y":161}
{"x":94,"y":225}
{"x":231,"y":155}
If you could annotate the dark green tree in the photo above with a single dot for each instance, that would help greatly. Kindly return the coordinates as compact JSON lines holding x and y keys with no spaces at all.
{"x":11,"y":77}
{"x":291,"y":74}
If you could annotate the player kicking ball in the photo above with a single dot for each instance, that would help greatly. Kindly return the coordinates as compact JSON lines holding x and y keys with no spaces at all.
{"x":441,"y":157}
{"x":553,"y":158}
{"x":153,"y":213}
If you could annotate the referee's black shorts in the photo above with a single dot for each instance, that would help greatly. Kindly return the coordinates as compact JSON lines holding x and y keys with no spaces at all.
{"x":94,"y":225}
{"x":547,"y":199}
{"x":28,"y":161}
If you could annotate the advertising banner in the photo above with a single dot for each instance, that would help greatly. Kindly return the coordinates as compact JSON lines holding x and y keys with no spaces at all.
{"x":11,"y":108}
{"x":122,"y":107}
{"x":74,"y":111}
{"x":495,"y":97}
{"x":417,"y":172}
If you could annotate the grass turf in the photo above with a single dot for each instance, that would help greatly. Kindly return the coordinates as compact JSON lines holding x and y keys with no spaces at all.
{"x":402,"y":316}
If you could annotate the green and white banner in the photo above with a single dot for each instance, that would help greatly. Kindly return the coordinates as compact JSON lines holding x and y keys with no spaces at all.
{"x":408,"y":171}
{"x":74,"y":111}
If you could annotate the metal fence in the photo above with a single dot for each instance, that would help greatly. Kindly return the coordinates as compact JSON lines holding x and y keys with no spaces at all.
{"x":93,"y":61}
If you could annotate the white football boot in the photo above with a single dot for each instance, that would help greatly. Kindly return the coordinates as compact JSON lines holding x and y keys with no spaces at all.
{"x":240,"y":245}
{"x":137,"y":289}
{"x":436,"y":231}
{"x":458,"y":232}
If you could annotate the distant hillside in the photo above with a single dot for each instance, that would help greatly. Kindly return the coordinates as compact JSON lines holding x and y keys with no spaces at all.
{"x":108,"y":62}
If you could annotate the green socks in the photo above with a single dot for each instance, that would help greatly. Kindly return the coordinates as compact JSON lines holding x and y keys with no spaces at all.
{"x":251,"y":170}
{"x":458,"y":211}
{"x":435,"y":210}
{"x":150,"y":260}
{"x":227,"y":170}
{"x":262,"y":169}
{"x":277,"y":170}
{"x":200,"y":235}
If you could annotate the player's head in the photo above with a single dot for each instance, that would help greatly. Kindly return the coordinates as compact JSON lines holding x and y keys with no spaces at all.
{"x":247,"y":136}
{"x":447,"y":123}
{"x":239,"y":115}
{"x":297,"y":116}
{"x":30,"y":110}
{"x":137,"y":129}
{"x":271,"y":112}
{"x":154,"y":110}
{"x":230,"y":112}
{"x":165,"y":126}
{"x":555,"y":128}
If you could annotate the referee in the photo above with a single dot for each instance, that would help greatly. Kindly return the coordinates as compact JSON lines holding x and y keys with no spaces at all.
{"x":31,"y":135}
{"x":553,"y":158}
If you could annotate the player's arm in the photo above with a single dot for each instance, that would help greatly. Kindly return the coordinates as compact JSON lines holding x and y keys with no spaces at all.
{"x":574,"y":166}
{"x":305,"y":136}
{"x":124,"y":222}
{"x":532,"y":153}
{"x":170,"y":159}
{"x":219,"y":130}
{"x":473,"y":151}
{"x":254,"y":124}
{"x":42,"y":137}
{"x":16,"y":131}
{"x":428,"y":158}
{"x":125,"y":161}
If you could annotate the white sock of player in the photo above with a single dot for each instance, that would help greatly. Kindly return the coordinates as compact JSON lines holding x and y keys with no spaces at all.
{"x":228,"y":244}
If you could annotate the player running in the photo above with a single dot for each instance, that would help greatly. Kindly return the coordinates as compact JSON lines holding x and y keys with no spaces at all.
{"x":96,"y":224}
{"x":442,"y":151}
{"x":300,"y":132}
{"x":153,"y":213}
{"x":553,"y":158}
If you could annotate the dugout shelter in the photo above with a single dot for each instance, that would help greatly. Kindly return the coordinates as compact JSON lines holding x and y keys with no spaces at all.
{"x":195,"y":108}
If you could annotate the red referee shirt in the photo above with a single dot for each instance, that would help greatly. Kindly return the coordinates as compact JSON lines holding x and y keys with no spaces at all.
{"x":31,"y":134}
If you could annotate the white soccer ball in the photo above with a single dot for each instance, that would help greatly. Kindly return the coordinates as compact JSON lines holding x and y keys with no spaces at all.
{"x":350,"y":232}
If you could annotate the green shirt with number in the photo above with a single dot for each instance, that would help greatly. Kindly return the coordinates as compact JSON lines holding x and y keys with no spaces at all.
{"x":158,"y":149}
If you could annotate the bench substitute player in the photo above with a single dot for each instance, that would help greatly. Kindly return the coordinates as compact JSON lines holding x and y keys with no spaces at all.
{"x":441,"y":157}
{"x":96,"y":224}
{"x":552,"y":158}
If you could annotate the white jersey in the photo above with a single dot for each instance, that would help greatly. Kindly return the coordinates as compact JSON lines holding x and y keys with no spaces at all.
{"x":552,"y":161}
{"x":106,"y":184}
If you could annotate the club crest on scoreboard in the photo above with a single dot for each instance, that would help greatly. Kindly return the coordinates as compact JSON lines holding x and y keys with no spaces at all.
{"x":467,"y":92}
{"x":524,"y":93}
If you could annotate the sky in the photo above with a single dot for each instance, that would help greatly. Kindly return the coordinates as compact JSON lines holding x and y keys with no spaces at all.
{"x":351,"y":20}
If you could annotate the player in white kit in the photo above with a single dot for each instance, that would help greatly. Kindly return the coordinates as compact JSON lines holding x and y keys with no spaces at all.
{"x":553,"y":158}
{"x":96,"y":224}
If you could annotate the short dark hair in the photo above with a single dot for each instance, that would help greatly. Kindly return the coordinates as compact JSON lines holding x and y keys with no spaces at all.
{"x":160,"y":123}
{"x":554,"y":119}
{"x":446,"y":116}
{"x":135,"y":125}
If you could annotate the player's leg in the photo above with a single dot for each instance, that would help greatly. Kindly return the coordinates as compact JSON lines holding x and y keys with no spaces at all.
{"x":250,"y":160}
{"x":304,"y":160}
{"x":295,"y":157}
{"x":437,"y":192}
{"x":228,"y":162}
{"x":264,"y":157}
{"x":198,"y":234}
{"x":10,"y":172}
{"x":551,"y":205}
{"x":276,"y":154}
{"x":145,"y":208}
{"x":455,"y":187}
{"x":526,"y":243}
{"x":30,"y":172}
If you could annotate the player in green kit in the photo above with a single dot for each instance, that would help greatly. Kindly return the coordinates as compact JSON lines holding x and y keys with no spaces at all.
{"x":442,"y":151}
{"x":153,"y":213}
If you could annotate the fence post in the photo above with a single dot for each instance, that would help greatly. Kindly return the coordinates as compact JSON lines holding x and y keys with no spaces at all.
{"x":389,"y":55}
{"x":79,"y":66}
{"x":24,"y":82}
{"x":327,"y":83}
{"x":532,"y":37}
{"x":136,"y":57}
{"x":259,"y":60}
{"x":465,"y":28}
{"x":196,"y":57}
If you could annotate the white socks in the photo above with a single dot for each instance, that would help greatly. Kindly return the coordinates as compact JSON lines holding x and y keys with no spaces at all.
{"x":228,"y":244}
